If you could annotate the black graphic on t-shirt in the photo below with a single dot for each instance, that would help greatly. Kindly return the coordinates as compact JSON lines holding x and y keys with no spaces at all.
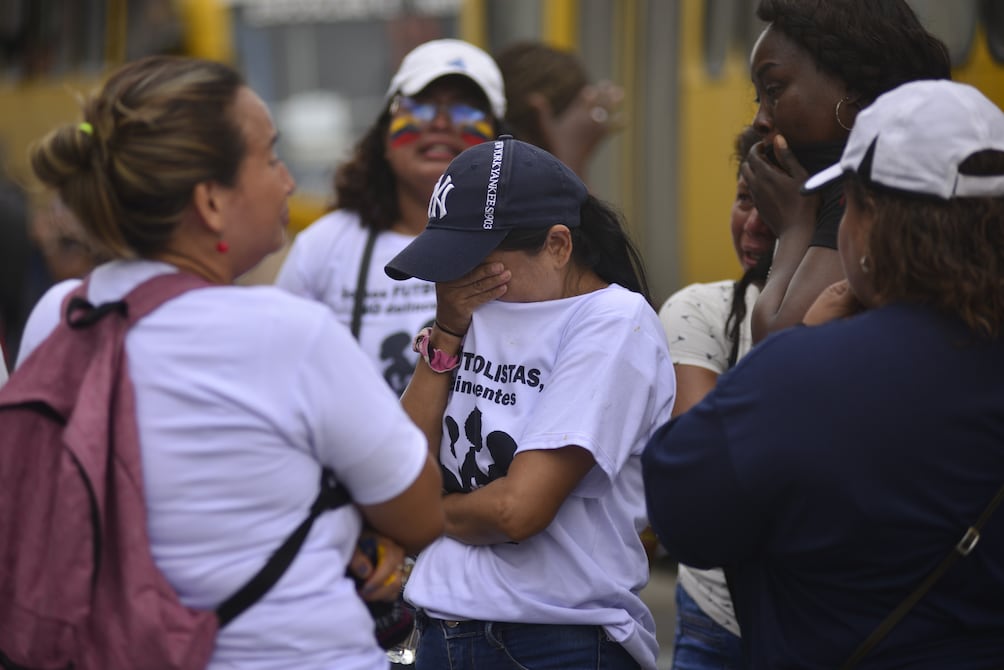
{"x":454,"y":430}
{"x":398,"y":373}
{"x":450,"y":483}
{"x":471,"y":476}
{"x":502,"y":448}
{"x":500,"y":445}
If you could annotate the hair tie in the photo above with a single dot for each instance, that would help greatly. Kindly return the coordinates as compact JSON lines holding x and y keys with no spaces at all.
{"x":86,"y":128}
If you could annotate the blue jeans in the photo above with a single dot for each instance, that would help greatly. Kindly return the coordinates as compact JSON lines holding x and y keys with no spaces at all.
{"x":488,"y":645}
{"x":702,"y":644}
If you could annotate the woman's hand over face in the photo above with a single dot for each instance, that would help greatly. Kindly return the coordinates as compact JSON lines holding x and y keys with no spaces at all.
{"x":775,"y":177}
{"x":456,"y":300}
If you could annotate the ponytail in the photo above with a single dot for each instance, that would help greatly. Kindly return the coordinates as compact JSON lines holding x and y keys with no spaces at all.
{"x":601,"y":243}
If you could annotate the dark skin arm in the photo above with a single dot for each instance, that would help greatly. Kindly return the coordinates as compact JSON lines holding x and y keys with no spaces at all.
{"x":692,"y":384}
{"x":799,"y":272}
{"x":837,"y":301}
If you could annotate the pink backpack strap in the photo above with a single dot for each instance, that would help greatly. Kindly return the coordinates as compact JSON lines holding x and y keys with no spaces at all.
{"x":152,"y":293}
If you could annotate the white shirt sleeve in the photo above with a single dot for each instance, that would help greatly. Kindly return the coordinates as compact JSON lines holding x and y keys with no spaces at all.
{"x":694,"y":320}
{"x":43,"y":319}
{"x":611,"y":387}
{"x":355,"y":420}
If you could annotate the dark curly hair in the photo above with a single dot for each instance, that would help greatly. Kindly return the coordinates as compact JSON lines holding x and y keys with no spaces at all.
{"x":871,"y":45}
{"x":366,"y":183}
{"x":945,"y":254}
{"x":600,"y":242}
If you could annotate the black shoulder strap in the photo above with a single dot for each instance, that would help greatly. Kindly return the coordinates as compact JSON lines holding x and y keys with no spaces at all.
{"x":364,"y":271}
{"x":145,"y":297}
{"x":80,"y":314}
{"x":331,"y":496}
{"x":962,"y":549}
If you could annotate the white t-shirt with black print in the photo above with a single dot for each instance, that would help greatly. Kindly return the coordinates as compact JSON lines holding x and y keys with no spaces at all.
{"x":323,"y":265}
{"x":593,"y":371}
{"x":694,"y":318}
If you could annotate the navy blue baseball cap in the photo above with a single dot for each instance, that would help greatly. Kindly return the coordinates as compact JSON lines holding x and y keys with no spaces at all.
{"x":488,"y":190}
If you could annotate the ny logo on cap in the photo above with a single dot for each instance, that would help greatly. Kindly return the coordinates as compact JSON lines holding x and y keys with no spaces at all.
{"x":437,"y":203}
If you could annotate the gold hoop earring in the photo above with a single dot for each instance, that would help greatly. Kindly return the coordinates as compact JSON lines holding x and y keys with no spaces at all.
{"x":836,"y":112}
{"x":865,"y":266}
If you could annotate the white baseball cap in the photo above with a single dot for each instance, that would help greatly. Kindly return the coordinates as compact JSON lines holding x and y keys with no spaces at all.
{"x":918,"y":134}
{"x":438,"y":58}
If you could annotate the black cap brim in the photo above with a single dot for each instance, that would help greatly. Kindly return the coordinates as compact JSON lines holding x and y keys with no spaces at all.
{"x":441,"y":254}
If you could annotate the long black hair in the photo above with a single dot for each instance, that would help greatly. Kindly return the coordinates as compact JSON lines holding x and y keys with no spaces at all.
{"x":600,"y":242}
{"x":756,"y":275}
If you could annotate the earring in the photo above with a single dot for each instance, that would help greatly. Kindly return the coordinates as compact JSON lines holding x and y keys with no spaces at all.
{"x":836,"y":112}
{"x":865,"y":266}
{"x":222,"y":247}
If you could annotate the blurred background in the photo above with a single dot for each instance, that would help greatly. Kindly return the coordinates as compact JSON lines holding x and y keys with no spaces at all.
{"x":323,"y":67}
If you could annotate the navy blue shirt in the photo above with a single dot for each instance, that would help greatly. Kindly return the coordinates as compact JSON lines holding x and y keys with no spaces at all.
{"x":830,"y":471}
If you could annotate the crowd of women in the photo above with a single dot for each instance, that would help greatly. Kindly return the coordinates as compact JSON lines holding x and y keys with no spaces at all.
{"x":467,"y":341}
